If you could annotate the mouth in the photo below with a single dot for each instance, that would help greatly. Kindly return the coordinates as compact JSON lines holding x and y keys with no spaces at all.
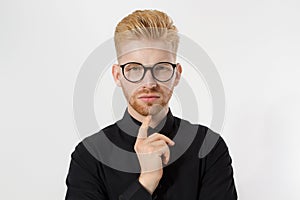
{"x":149,"y":98}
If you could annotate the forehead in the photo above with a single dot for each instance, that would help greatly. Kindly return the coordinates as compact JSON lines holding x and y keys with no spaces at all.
{"x":146,"y":52}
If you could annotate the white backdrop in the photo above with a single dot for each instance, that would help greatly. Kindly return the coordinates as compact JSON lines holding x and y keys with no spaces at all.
{"x":254,"y":44}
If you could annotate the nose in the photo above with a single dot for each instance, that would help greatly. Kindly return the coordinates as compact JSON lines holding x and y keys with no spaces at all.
{"x":148,"y":80}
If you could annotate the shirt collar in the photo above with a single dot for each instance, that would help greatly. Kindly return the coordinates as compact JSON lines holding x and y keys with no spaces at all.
{"x":130,"y":125}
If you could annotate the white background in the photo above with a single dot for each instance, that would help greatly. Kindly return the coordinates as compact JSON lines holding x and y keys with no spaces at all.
{"x":254,"y":44}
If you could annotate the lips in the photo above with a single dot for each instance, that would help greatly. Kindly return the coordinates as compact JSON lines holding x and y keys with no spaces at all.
{"x":149,"y":97}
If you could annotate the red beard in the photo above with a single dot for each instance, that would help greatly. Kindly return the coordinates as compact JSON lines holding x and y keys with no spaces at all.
{"x":146,"y":108}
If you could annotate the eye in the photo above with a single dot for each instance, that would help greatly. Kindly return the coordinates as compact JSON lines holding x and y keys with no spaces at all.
{"x":133,"y":67}
{"x":163,"y":67}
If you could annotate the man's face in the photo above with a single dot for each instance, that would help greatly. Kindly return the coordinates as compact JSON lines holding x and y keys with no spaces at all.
{"x":147,"y":96}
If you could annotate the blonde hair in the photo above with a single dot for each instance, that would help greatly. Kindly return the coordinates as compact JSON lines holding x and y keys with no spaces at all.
{"x":146,"y":24}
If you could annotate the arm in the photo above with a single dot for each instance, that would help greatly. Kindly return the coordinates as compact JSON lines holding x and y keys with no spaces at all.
{"x":150,"y":151}
{"x":84,"y":181}
{"x":217,"y":182}
{"x":135,"y":192}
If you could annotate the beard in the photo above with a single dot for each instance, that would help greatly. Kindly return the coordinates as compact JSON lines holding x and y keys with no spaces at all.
{"x":150,"y":108}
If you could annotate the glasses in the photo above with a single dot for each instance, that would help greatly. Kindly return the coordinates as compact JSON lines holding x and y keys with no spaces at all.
{"x":135,"y":72}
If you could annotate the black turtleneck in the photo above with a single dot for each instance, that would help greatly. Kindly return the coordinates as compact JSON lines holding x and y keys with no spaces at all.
{"x":104,"y":166}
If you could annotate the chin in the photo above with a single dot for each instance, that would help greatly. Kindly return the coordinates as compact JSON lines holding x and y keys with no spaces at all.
{"x":148,"y":109}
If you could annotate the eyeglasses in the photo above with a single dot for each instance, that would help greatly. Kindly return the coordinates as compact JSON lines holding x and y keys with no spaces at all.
{"x":135,"y":72}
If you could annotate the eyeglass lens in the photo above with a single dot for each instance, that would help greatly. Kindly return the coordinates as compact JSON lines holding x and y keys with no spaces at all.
{"x":161,"y":71}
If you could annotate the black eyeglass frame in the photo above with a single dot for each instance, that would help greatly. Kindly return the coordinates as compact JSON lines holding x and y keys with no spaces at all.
{"x":146,"y":69}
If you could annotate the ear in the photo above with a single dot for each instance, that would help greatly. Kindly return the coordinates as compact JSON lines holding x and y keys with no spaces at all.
{"x":178,"y":74}
{"x":116,"y":72}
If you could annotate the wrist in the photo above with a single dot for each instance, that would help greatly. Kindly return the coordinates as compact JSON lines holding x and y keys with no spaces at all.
{"x":149,"y":185}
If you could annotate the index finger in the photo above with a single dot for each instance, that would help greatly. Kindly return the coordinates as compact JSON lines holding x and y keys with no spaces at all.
{"x":143,"y":130}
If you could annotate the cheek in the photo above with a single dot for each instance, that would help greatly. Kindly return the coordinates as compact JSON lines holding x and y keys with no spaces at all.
{"x":127,"y":88}
{"x":166,"y":92}
{"x":167,"y":86}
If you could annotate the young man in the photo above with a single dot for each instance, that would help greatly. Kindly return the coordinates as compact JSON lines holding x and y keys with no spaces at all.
{"x":164,"y":161}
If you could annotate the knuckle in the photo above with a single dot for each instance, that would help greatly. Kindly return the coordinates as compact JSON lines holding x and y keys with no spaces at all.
{"x":153,"y":135}
{"x":166,"y":149}
{"x":150,"y":149}
{"x":137,"y":147}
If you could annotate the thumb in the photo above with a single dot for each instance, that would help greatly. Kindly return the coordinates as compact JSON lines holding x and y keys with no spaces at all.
{"x":143,"y":131}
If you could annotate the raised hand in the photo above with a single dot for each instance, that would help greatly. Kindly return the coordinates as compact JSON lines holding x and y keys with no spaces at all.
{"x":151,"y":151}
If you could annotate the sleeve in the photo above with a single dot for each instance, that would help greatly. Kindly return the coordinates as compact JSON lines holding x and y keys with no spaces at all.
{"x":84,"y":181}
{"x":135,"y":192}
{"x":217,"y":181}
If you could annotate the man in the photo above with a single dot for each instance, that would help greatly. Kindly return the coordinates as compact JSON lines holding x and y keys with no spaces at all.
{"x":166,"y":159}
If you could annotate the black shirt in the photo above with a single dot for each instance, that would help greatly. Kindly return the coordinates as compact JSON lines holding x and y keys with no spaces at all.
{"x":105,"y":167}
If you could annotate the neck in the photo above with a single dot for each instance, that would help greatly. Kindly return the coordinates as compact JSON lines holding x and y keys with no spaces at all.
{"x":156,"y":118}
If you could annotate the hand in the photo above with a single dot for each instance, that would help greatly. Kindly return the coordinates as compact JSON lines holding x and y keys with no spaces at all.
{"x":151,"y":152}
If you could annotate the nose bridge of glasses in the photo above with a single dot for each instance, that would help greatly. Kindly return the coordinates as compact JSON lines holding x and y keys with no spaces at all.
{"x":148,"y":77}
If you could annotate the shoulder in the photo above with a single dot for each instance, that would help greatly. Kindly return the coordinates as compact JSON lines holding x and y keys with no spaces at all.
{"x":89,"y":147}
{"x":206,"y":140}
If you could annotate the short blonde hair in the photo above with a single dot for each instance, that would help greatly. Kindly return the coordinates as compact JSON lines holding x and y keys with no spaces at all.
{"x":146,"y":24}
